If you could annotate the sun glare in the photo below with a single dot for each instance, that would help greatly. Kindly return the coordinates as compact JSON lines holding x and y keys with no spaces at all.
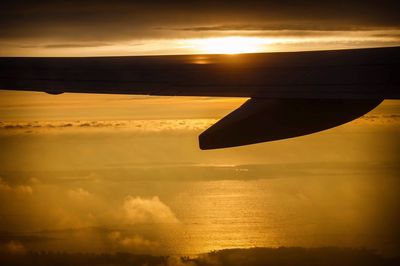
{"x":229,"y":45}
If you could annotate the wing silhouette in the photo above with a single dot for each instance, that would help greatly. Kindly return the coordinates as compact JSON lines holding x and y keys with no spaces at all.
{"x":291,"y":94}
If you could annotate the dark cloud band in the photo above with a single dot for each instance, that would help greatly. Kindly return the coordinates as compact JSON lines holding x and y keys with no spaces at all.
{"x":122,"y":20}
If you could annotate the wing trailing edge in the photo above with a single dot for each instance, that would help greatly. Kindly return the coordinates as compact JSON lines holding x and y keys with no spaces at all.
{"x":259,"y":120}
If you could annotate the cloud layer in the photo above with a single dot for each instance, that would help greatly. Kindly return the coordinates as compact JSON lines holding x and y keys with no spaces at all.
{"x":172,"y":125}
{"x":124,"y":20}
{"x":123,"y":27}
{"x":145,"y":126}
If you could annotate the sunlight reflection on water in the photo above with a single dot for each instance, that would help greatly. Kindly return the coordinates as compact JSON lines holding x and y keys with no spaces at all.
{"x":276,"y":212}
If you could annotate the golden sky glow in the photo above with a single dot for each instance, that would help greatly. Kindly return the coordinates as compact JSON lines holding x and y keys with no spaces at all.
{"x":219,"y":42}
{"x":229,"y":45}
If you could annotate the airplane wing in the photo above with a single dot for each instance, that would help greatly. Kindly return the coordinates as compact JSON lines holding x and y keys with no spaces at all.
{"x":291,"y":94}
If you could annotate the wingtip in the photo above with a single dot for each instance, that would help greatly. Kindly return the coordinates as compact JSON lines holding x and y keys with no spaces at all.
{"x":202,"y":144}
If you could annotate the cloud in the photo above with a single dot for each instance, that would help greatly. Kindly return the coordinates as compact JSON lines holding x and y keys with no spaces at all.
{"x":14,"y":247}
{"x":79,"y":194}
{"x":65,"y":25}
{"x":135,"y":242}
{"x":151,"y":210}
{"x":19,"y":189}
{"x":151,"y":125}
{"x":148,"y":125}
{"x":76,"y":45}
{"x":277,"y":27}
{"x":126,"y":20}
{"x":378,"y":119}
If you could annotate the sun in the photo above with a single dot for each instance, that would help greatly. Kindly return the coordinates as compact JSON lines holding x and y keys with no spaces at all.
{"x":229,"y":45}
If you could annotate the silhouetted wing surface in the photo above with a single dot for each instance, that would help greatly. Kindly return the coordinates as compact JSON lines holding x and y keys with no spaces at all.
{"x":261,"y":119}
{"x":354,"y":80}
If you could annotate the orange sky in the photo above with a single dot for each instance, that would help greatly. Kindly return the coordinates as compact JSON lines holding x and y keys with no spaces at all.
{"x":59,"y":28}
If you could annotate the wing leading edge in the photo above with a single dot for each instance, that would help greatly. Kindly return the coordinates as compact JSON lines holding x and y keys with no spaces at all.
{"x":292,"y":94}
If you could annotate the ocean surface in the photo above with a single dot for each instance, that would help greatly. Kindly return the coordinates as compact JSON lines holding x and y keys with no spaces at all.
{"x":192,"y":217}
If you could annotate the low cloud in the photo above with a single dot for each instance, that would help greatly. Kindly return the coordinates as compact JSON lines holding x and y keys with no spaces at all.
{"x":14,"y":247}
{"x":135,"y":242}
{"x":19,"y":189}
{"x":160,"y":125}
{"x":379,"y":119}
{"x":79,"y":194}
{"x":150,"y":210}
{"x":138,"y":126}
